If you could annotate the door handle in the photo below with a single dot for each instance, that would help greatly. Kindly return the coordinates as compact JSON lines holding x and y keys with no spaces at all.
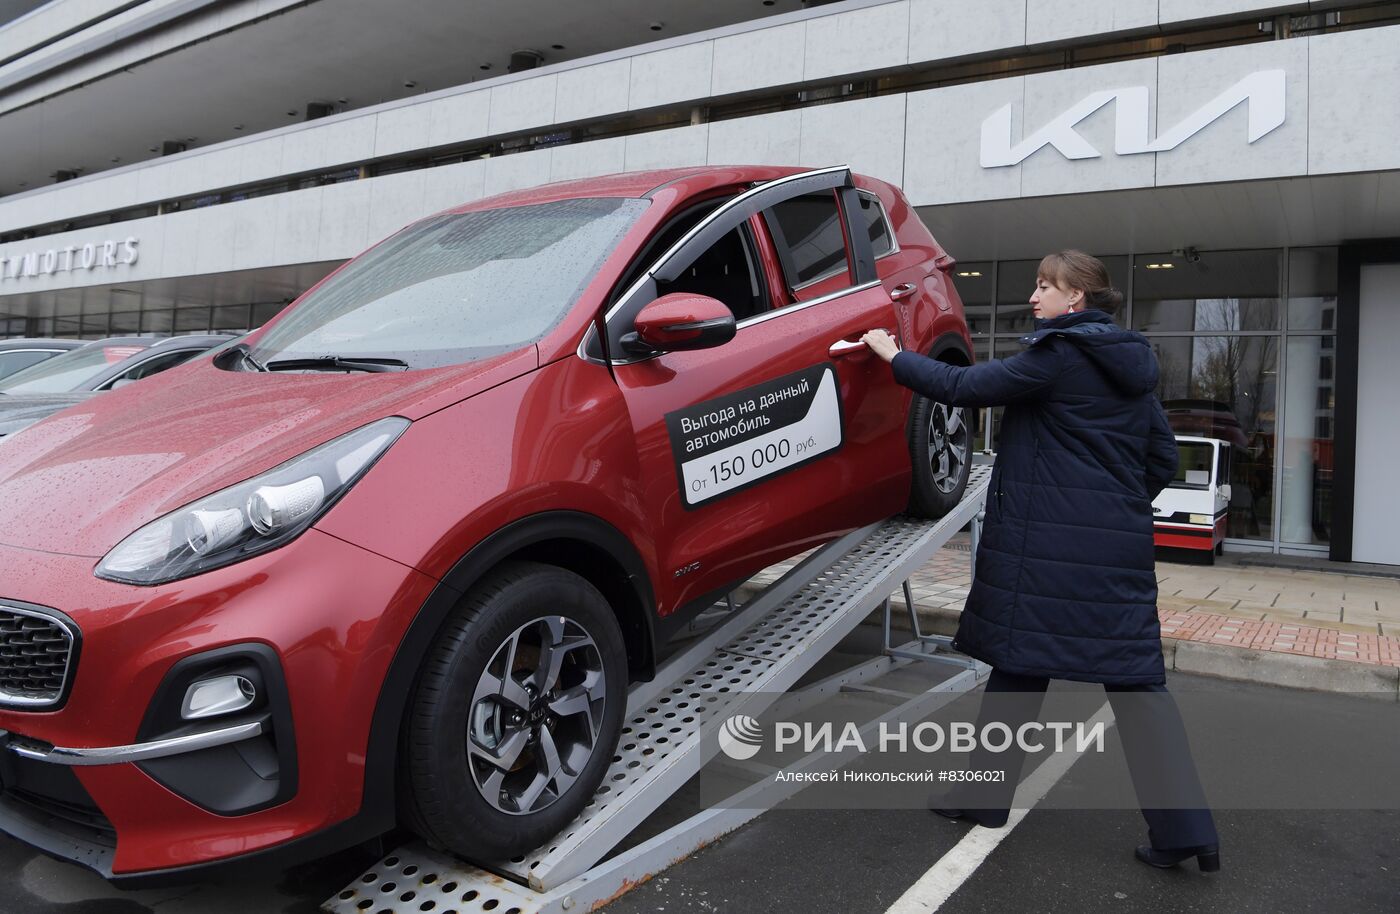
{"x":903,"y":290}
{"x":846,"y":347}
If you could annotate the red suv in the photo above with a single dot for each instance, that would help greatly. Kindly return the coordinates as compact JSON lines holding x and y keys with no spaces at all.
{"x":397,"y":557}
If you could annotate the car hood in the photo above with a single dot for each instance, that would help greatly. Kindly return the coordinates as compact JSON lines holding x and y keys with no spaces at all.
{"x":79,"y":482}
{"x":19,"y":411}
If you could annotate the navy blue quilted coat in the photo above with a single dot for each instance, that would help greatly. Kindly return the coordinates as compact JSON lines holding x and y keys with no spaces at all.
{"x":1064,"y":583}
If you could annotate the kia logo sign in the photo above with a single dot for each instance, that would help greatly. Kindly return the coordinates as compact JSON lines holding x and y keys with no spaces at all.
{"x":1264,"y":91}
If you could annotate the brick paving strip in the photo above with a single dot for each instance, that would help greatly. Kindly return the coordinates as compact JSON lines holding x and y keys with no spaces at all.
{"x":1263,"y":621}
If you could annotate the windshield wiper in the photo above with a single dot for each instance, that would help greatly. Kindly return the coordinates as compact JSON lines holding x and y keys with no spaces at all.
{"x":334,"y":362}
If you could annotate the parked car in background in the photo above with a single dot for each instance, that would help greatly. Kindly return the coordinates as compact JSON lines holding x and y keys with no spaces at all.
{"x":17,"y":355}
{"x":1205,"y":418}
{"x":1190,"y":513}
{"x":43,"y":389}
{"x":396,"y":558}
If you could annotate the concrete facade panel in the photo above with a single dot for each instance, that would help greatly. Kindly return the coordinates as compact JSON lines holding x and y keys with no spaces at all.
{"x":448,"y":186}
{"x":940,"y":29}
{"x":394,"y":201}
{"x":402,"y":129}
{"x":522,"y":105}
{"x":873,"y":38}
{"x":344,"y":220}
{"x":767,"y":139}
{"x":512,"y":172}
{"x":349,"y":140}
{"x":593,"y":91}
{"x":671,"y":75}
{"x":1353,"y":119}
{"x":1170,"y":11}
{"x":865,"y":134}
{"x":667,"y":148}
{"x":586,"y":160}
{"x":302,"y":150}
{"x":1059,"y":20}
{"x":254,"y":232}
{"x":1221,"y":150}
{"x":759,"y":59}
{"x":260,"y":160}
{"x":1048,"y":95}
{"x":296,"y":225}
{"x":463,"y":116}
{"x":943,"y":142}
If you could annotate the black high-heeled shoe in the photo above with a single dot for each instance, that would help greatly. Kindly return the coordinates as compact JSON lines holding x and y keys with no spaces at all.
{"x":1207,"y":856}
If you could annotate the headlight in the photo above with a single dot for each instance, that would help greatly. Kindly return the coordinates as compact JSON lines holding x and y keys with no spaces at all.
{"x":253,"y":516}
{"x":1200,"y":518}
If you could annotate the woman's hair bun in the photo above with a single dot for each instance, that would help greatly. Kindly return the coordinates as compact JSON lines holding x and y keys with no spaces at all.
{"x":1105,"y":299}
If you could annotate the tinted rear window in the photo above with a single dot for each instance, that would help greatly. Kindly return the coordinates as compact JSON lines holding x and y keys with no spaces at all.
{"x":807,"y":232}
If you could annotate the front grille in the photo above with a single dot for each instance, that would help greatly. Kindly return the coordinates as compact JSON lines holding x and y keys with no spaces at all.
{"x":36,"y":654}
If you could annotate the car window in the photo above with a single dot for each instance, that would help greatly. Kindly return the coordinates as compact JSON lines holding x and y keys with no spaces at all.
{"x":154,"y":365}
{"x":19,"y":359}
{"x":1193,"y":465}
{"x":727,"y":271}
{"x":458,"y":287}
{"x":876,"y":224}
{"x":66,"y":372}
{"x":807,"y":233}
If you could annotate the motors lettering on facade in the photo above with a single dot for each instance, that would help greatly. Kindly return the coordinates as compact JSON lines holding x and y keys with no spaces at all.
{"x":1264,"y":91}
{"x":97,"y":255}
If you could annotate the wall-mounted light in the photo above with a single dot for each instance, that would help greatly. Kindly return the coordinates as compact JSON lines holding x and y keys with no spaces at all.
{"x":969,"y":273}
{"x":1161,"y":266}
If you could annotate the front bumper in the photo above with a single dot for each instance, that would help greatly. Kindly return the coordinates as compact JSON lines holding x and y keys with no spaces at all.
{"x":328,"y":614}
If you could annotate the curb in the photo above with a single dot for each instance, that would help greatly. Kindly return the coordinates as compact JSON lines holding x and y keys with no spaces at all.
{"x":1291,"y":671}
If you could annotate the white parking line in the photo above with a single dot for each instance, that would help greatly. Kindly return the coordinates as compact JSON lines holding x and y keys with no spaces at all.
{"x":952,"y":869}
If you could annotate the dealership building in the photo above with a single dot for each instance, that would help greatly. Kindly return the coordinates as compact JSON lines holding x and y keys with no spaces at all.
{"x":179,"y":166}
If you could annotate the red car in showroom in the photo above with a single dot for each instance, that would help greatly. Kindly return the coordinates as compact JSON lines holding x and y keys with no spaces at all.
{"x":396,"y":558}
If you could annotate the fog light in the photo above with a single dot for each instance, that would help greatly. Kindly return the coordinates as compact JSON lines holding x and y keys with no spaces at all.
{"x":220,"y":695}
{"x":1200,"y":519}
{"x":274,"y":507}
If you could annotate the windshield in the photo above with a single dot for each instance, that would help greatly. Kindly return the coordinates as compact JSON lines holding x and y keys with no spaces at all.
{"x":69,"y":371}
{"x":1193,"y":465}
{"x":456,"y":288}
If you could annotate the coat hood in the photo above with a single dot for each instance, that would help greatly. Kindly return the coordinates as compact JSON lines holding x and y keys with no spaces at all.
{"x":1124,"y":356}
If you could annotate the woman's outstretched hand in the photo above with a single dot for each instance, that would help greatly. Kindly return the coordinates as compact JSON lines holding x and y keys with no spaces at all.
{"x":881,"y":343}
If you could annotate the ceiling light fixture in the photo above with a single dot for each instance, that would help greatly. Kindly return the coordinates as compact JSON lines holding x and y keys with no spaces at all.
{"x":1161,"y":266}
{"x":970,"y":273}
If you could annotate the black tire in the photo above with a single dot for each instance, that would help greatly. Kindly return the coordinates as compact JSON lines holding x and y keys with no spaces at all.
{"x":939,"y":477}
{"x":455,"y":704}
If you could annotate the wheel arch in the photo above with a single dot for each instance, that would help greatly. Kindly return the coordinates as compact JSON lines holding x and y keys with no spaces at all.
{"x":582,"y":543}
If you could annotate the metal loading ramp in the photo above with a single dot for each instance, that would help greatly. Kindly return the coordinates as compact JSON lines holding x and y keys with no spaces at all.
{"x":736,"y":667}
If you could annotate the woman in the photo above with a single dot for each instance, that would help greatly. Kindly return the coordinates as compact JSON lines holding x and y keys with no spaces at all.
{"x":1065,"y":586}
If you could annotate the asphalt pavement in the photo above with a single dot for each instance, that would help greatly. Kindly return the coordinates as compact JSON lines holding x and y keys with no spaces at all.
{"x":815,"y":860}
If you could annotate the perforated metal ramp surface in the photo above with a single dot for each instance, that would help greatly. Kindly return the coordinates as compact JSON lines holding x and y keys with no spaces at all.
{"x":661,"y":746}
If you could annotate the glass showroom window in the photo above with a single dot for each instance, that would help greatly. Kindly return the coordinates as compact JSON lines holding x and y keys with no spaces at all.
{"x":1225,"y":387}
{"x":1305,"y":448}
{"x":974,"y":282}
{"x":1208,"y":292}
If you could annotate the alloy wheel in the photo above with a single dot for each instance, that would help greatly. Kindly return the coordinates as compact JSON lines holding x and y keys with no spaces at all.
{"x":947,"y":445}
{"x":535,"y":715}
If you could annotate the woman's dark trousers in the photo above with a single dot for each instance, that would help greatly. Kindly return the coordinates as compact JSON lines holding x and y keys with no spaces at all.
{"x":1154,"y":744}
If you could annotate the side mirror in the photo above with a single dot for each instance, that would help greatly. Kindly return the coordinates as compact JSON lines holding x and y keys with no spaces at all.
{"x":1225,"y":491}
{"x":681,"y":320}
{"x":121,"y":382}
